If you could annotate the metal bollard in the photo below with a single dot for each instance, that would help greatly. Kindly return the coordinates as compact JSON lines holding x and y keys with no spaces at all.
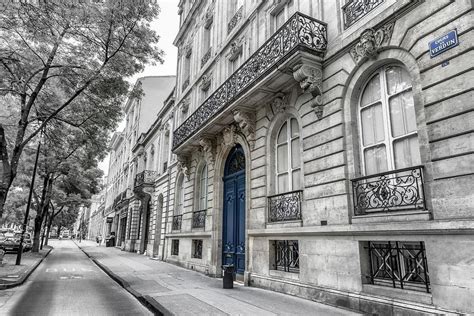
{"x":228,"y":279}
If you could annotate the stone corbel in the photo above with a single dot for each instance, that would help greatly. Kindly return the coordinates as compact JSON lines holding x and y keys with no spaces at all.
{"x":184,"y":106}
{"x":246,"y":122}
{"x":371,"y":41}
{"x":205,"y":82}
{"x":235,"y":50}
{"x":208,"y":149}
{"x":184,"y":165}
{"x":310,"y":78}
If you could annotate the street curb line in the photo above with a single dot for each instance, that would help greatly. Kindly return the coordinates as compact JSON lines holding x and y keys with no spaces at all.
{"x":25,"y":275}
{"x":149,"y":302}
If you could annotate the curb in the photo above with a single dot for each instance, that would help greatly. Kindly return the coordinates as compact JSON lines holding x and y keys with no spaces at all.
{"x":26,"y":275}
{"x":146,"y":300}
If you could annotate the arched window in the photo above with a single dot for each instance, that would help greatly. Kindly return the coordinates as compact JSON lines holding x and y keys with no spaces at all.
{"x":202,"y":203}
{"x":179,"y":195}
{"x":387,"y":122}
{"x":288,"y":157}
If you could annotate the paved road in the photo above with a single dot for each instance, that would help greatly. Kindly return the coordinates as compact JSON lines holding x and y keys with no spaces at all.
{"x":69,"y":283}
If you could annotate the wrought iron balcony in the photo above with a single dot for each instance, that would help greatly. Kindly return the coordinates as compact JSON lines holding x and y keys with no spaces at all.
{"x":300,"y":32}
{"x":199,"y":219}
{"x":287,"y":255}
{"x":399,"y":264}
{"x":235,"y":19}
{"x":177,"y":220}
{"x":389,"y":191}
{"x":285,"y":207}
{"x":146,"y":177}
{"x":185,"y":84}
{"x":206,"y":57}
{"x":354,"y":10}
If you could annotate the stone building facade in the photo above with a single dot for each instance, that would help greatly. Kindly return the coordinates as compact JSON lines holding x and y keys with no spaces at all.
{"x":324,"y":153}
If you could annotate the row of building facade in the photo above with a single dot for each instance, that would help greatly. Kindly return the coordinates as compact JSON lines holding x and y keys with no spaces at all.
{"x":317,"y":146}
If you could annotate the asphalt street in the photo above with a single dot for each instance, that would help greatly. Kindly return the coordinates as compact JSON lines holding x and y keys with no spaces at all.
{"x":69,"y":283}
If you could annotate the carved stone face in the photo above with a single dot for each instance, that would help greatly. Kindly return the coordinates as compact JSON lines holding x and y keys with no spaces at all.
{"x":367,"y":42}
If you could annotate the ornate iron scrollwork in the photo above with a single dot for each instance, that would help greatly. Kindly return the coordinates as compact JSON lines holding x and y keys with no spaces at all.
{"x":285,"y":207}
{"x":145,"y":177}
{"x":389,"y":191}
{"x":199,"y":219}
{"x":177,"y":220}
{"x":354,"y":10}
{"x":300,"y":31}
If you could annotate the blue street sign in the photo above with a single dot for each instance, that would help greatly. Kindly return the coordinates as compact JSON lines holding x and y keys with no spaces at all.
{"x":444,"y":43}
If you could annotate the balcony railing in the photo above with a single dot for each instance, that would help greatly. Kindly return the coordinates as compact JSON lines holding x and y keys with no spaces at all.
{"x":354,"y":10}
{"x":205,"y":58}
{"x":177,"y":220}
{"x":287,"y":255}
{"x":199,"y":219}
{"x":145,"y":177}
{"x":285,"y":207}
{"x":121,"y":197}
{"x":300,"y":32}
{"x":235,"y":19}
{"x":389,"y":191}
{"x":399,"y":264}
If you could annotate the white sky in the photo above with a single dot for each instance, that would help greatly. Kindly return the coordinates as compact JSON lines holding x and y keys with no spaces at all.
{"x":166,"y":26}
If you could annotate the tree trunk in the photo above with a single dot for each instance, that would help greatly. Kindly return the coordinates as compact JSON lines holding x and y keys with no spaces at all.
{"x":42,"y":209}
{"x":50,"y":222}
{"x":47,"y":216}
{"x":5,"y":170}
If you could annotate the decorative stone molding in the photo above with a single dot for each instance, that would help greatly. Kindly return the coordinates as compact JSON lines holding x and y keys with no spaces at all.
{"x":246,"y":123}
{"x":187,"y":49}
{"x":229,"y":136}
{"x":310,"y":78}
{"x":208,"y":149}
{"x":205,"y":82}
{"x":209,"y":17}
{"x":152,"y":149}
{"x":184,"y":106}
{"x":280,"y":102}
{"x":184,"y":165}
{"x":371,"y":41}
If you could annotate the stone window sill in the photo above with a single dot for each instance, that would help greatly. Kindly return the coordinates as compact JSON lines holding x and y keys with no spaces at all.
{"x":393,"y":293}
{"x":284,"y":275}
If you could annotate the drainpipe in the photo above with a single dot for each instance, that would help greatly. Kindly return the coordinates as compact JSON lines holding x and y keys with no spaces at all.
{"x":167,"y":215}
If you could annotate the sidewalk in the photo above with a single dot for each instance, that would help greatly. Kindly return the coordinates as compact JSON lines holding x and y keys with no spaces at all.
{"x":173,"y":290}
{"x":12,"y":275}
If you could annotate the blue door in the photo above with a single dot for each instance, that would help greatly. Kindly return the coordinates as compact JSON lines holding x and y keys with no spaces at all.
{"x":233,"y":240}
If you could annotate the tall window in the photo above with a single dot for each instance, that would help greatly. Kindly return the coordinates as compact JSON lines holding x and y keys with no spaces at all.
{"x":179,"y":195}
{"x":387,"y":122}
{"x":203,"y":188}
{"x":288,"y":157}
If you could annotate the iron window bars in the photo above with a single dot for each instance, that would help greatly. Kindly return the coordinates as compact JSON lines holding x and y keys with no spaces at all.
{"x":199,"y":219}
{"x":197,"y":248}
{"x":287,"y":255}
{"x":390,"y":191}
{"x":354,"y":10}
{"x":399,"y":264}
{"x":175,"y":247}
{"x":300,"y":32}
{"x":177,"y":220}
{"x":285,"y":206}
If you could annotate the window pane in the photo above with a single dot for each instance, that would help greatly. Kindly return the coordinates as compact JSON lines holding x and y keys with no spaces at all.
{"x":295,"y":153}
{"x":295,"y":130}
{"x":282,"y":136}
{"x":296,"y":181}
{"x":407,"y":152}
{"x":375,"y":160}
{"x":402,"y":114}
{"x":372,"y":125}
{"x":282,"y":158}
{"x":397,"y":79}
{"x":371,"y":92}
{"x":282,"y":183}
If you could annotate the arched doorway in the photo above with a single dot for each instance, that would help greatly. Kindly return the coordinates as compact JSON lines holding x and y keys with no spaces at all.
{"x":233,"y":228}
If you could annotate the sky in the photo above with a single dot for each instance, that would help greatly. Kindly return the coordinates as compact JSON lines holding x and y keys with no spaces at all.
{"x":166,"y":27}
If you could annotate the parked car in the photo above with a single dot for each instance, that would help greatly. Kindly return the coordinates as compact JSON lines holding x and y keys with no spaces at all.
{"x":12,"y":242}
{"x":28,"y":242}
